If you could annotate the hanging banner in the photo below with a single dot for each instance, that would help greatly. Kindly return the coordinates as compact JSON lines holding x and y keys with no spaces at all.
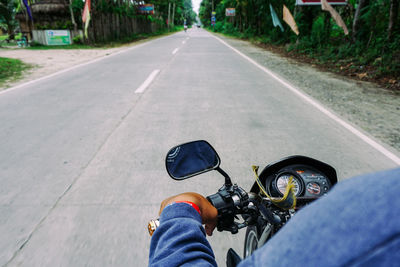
{"x":86,"y":16}
{"x":275,"y":19}
{"x":318,"y":2}
{"x":339,"y":21}
{"x":28,"y":9}
{"x":230,"y":12}
{"x":288,"y":18}
{"x":147,"y":9}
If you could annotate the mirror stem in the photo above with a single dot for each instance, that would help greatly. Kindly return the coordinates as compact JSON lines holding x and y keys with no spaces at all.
{"x":228,"y":181}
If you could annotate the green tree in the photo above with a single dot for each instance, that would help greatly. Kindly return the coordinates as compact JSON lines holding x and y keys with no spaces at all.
{"x":188,"y":12}
{"x":8,"y":9}
{"x":374,"y":39}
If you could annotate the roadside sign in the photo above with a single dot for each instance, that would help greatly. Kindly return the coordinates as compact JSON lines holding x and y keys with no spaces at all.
{"x":146,"y":9}
{"x":58,"y":37}
{"x":230,"y":12}
{"x":318,"y":2}
{"x":213,"y":19}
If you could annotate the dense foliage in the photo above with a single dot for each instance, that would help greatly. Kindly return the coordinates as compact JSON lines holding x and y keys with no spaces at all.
{"x":372,"y":48}
{"x":8,"y":8}
{"x":180,"y":10}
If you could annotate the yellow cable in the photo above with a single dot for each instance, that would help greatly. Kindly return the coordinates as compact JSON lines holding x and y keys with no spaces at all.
{"x":288,"y":201}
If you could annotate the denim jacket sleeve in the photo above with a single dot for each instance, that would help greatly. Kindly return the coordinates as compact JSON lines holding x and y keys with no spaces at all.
{"x":356,"y":224}
{"x":180,"y":240}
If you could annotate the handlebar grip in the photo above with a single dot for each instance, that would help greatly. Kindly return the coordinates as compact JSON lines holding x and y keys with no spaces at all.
{"x":152,"y":226}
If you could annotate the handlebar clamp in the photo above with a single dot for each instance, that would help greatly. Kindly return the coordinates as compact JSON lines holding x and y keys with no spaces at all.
{"x":230,"y":200}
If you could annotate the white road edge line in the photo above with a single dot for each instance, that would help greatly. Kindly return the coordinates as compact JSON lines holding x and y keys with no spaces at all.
{"x":79,"y":65}
{"x":317,"y":105}
{"x":147,"y":82}
{"x":175,"y":50}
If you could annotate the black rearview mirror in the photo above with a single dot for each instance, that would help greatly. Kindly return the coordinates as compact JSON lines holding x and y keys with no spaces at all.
{"x":191,"y":159}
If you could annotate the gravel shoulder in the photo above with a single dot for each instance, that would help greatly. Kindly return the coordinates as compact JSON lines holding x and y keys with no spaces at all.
{"x":374,"y":110}
{"x":46,"y":62}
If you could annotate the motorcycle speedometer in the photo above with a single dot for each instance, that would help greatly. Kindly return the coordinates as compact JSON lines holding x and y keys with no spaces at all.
{"x":282,"y":181}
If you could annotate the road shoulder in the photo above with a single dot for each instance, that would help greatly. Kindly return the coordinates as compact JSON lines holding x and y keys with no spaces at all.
{"x":367,"y":106}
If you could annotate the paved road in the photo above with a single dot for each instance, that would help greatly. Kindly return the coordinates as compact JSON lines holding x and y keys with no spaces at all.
{"x":82,"y":153}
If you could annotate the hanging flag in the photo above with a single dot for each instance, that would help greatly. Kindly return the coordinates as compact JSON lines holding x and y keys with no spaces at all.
{"x":288,"y":18}
{"x":275,"y":19}
{"x":86,"y":16}
{"x":28,"y":9}
{"x":327,"y":7}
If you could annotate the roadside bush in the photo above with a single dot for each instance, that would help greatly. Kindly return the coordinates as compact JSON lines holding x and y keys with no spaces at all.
{"x":219,"y":26}
{"x":229,"y":28}
{"x":35,"y":44}
{"x":249,"y":32}
{"x":317,"y":33}
{"x":78,"y":39}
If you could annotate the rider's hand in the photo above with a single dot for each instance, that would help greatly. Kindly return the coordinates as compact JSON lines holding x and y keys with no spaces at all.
{"x":209,"y":213}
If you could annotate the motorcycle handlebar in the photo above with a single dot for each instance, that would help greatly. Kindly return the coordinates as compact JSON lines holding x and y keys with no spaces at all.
{"x":230,"y":200}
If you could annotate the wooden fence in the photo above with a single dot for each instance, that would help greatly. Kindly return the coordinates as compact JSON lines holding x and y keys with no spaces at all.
{"x":110,"y":26}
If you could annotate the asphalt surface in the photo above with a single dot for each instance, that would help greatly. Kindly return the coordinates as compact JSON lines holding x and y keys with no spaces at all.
{"x":82,"y":153}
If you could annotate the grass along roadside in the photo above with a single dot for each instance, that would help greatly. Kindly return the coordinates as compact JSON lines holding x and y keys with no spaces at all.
{"x":50,"y":47}
{"x":5,"y":36}
{"x":11,"y":69}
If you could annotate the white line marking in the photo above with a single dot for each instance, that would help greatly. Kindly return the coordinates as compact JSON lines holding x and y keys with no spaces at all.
{"x":175,"y":50}
{"x":317,"y":105}
{"x":79,"y":65}
{"x":184,"y":41}
{"x":147,"y":82}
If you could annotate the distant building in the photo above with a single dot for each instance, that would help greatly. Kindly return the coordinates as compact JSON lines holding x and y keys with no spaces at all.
{"x":47,"y":14}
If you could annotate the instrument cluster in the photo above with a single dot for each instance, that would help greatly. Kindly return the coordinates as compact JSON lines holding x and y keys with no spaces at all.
{"x":308,"y":182}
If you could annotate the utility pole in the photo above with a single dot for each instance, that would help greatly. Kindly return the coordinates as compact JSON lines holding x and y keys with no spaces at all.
{"x":169,"y":14}
{"x":173,"y":14}
{"x":212,"y":13}
{"x":73,"y":17}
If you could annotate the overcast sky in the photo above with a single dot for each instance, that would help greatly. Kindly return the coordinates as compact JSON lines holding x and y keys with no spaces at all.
{"x":196,"y":5}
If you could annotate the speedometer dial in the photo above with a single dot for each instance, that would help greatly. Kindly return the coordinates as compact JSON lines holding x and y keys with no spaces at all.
{"x":282,"y":182}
